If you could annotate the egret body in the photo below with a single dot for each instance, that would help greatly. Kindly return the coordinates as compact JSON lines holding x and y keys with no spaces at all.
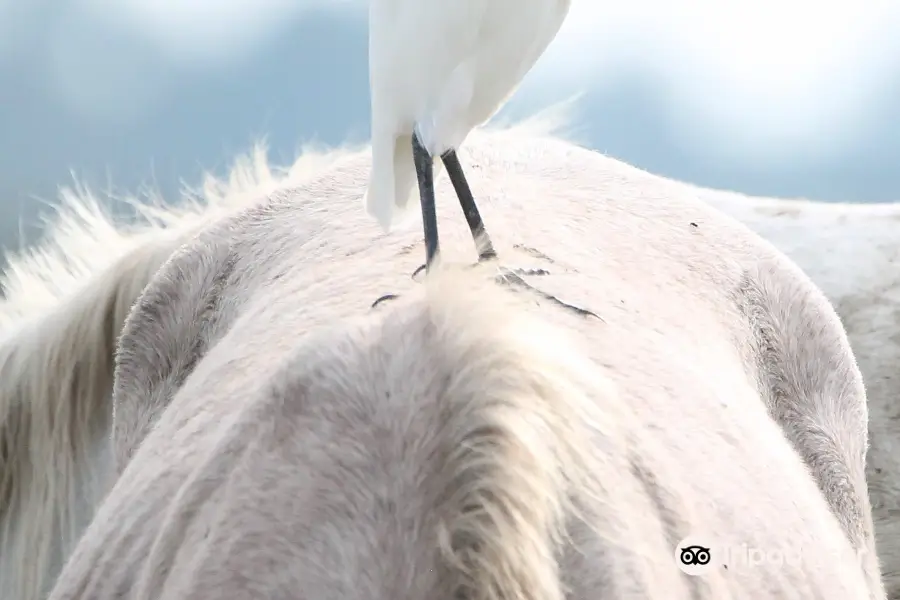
{"x":438,"y":69}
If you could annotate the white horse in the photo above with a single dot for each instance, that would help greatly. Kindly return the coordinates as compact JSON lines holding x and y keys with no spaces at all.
{"x":66,"y":303}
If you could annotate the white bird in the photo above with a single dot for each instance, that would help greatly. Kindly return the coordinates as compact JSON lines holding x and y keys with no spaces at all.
{"x":438,"y":69}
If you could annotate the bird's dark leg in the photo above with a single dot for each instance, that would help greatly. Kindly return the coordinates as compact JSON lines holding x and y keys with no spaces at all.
{"x":470,"y":209}
{"x":425,"y":176}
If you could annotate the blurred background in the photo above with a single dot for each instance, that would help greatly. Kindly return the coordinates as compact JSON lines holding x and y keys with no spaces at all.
{"x":788,"y":98}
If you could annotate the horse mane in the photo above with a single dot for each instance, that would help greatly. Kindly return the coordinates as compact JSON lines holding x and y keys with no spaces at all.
{"x":63,"y":304}
{"x":508,"y":415}
{"x":522,"y":413}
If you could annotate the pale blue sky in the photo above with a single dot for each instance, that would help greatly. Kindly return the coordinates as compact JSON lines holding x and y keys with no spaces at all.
{"x":794,"y":97}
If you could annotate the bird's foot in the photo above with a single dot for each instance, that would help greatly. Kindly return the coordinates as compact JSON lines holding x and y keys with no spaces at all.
{"x":483,"y":258}
{"x":511,"y":276}
{"x":507,"y":276}
{"x":520,"y":271}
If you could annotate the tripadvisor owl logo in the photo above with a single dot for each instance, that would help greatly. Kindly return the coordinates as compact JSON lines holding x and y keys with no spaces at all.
{"x":699,"y":555}
{"x":695,"y":556}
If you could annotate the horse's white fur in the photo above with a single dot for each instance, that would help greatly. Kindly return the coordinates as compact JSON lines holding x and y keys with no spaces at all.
{"x":62,"y":309}
{"x":435,"y":450}
{"x":37,"y":306}
{"x":247,"y":448}
{"x":852,"y":252}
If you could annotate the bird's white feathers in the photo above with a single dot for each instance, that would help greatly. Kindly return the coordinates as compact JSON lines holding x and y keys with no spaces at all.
{"x":442,"y":67}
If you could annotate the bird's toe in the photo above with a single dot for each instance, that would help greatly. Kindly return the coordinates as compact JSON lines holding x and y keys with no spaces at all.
{"x":417,"y":274}
{"x":528,"y":271}
{"x":506,"y":276}
{"x":383,"y":299}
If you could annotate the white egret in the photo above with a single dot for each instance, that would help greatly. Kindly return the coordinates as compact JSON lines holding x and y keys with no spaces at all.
{"x":438,"y":69}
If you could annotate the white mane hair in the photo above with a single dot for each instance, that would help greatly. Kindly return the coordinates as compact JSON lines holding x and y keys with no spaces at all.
{"x":66,"y":300}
